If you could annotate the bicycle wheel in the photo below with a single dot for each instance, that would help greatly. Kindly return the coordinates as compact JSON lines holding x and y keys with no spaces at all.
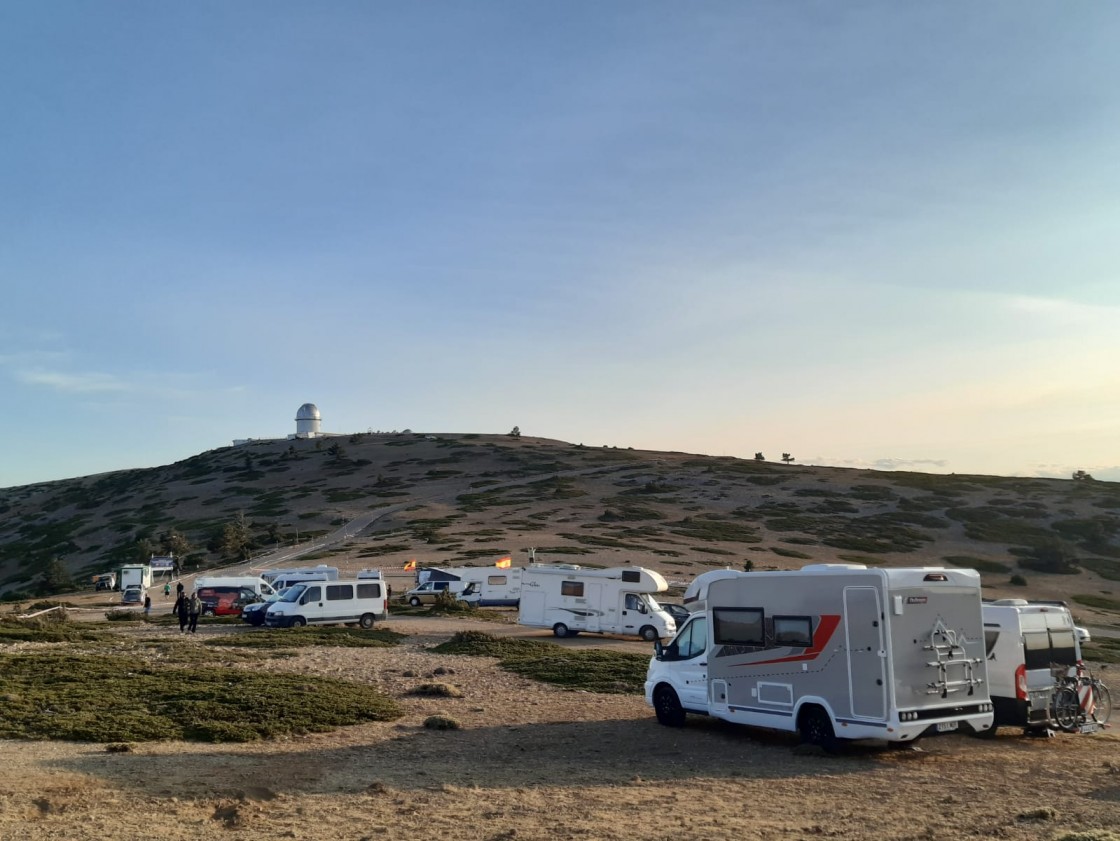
{"x":1067,"y":709}
{"x":1103,"y":710}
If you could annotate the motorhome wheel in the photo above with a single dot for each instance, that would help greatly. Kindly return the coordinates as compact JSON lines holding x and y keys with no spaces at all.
{"x":668,"y":707}
{"x":560,"y":629}
{"x":414,"y":601}
{"x":816,"y":728}
{"x":649,"y":633}
{"x":366,"y":621}
{"x":298,"y":622}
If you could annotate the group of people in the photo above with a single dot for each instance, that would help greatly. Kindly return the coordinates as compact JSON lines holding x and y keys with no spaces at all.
{"x":187,"y":608}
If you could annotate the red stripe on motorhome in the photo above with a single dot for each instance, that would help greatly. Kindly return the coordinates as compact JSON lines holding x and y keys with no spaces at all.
{"x":825,"y":629}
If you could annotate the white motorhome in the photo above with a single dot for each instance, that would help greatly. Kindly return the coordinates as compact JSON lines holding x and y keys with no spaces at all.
{"x":832,"y":651}
{"x":360,"y":600}
{"x":138,"y":575}
{"x":491,"y":587}
{"x":569,"y":599}
{"x":283,"y":582}
{"x":321,"y":572}
{"x":252,"y":582}
{"x":1025,"y":643}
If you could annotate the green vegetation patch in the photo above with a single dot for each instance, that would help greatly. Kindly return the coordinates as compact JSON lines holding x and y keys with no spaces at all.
{"x":1099,"y":602}
{"x":978,"y":564}
{"x":309,"y":636}
{"x":46,"y":630}
{"x":1104,"y":567}
{"x":789,"y":553}
{"x":586,"y":669}
{"x":1102,"y":650}
{"x":715,"y":527}
{"x":91,"y":698}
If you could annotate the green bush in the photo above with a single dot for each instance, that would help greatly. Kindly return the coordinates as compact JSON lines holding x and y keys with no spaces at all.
{"x":105,"y":698}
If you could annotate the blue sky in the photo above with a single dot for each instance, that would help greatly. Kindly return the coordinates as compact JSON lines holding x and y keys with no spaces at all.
{"x":867,"y":234}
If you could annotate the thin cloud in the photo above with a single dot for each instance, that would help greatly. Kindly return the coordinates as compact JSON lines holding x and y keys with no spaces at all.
{"x":82,"y":383}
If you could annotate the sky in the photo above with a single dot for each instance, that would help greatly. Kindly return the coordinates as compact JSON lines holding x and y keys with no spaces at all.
{"x":866,"y":234}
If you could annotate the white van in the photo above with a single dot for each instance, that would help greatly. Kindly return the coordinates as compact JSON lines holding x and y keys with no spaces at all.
{"x":1025,"y":642}
{"x":329,"y":603}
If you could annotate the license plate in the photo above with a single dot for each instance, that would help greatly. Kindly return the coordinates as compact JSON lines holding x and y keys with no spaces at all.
{"x":1089,"y":727}
{"x":946,"y":726}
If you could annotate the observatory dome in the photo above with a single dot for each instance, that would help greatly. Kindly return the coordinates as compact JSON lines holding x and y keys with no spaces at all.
{"x":308,"y":421}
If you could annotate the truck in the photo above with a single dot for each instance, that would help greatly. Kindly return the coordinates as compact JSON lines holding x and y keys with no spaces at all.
{"x":345,"y":601}
{"x":832,"y":652}
{"x":134,"y":574}
{"x":1029,"y":645}
{"x":570,"y":599}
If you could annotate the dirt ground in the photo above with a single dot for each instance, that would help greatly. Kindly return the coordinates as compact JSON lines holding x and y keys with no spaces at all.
{"x":536,"y":762}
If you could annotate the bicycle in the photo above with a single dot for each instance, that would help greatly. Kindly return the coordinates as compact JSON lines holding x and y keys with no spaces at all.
{"x":1082,"y":702}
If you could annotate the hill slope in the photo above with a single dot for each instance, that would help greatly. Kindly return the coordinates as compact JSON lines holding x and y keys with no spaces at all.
{"x":474,"y":498}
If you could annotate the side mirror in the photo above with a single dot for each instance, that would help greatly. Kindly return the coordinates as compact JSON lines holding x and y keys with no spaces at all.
{"x":658,"y":649}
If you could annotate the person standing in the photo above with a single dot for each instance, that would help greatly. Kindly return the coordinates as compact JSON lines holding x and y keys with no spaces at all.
{"x":182,"y":609}
{"x":147,"y":607}
{"x":195,"y":607}
{"x":167,"y":590}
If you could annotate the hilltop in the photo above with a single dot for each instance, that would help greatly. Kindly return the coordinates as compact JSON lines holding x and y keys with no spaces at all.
{"x":455,"y":499}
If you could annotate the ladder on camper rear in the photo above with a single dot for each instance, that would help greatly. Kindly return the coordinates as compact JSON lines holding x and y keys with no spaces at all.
{"x":956,"y":671}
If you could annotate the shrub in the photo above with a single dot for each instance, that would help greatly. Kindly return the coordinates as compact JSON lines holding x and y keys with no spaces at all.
{"x":1018,"y":580}
{"x":441,"y":690}
{"x":441,"y":722}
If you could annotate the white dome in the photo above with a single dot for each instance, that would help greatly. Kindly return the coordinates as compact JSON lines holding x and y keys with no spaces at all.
{"x":308,"y":411}
{"x":308,"y":421}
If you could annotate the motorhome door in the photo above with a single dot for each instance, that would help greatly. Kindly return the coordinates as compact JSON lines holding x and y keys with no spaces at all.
{"x":866,"y":652}
{"x":594,"y":605}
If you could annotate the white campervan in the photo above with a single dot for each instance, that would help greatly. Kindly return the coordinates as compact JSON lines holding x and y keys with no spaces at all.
{"x":491,"y":587}
{"x":569,"y":599}
{"x":1026,"y":642}
{"x":833,"y":651}
{"x":321,"y":572}
{"x":360,"y":600}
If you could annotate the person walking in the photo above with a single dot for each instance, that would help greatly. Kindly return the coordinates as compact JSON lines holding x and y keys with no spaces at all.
{"x":182,"y":609}
{"x":195,"y":608}
{"x":167,"y":590}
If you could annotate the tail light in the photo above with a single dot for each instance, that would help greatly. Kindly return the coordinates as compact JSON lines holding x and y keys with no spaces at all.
{"x":1021,"y":682}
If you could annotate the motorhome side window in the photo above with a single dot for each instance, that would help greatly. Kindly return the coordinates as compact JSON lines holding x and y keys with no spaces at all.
{"x":369,"y":591}
{"x":571,"y":588}
{"x":339,"y":592}
{"x":496,"y":580}
{"x":739,"y":626}
{"x":793,"y":630}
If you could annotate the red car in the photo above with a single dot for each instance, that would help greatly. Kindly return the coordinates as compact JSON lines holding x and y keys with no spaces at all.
{"x":225,"y":601}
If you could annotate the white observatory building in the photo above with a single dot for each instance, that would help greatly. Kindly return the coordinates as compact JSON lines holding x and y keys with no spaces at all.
{"x":308,"y":421}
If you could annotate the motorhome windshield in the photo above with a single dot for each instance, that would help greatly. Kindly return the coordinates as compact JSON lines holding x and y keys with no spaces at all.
{"x":293,"y":593}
